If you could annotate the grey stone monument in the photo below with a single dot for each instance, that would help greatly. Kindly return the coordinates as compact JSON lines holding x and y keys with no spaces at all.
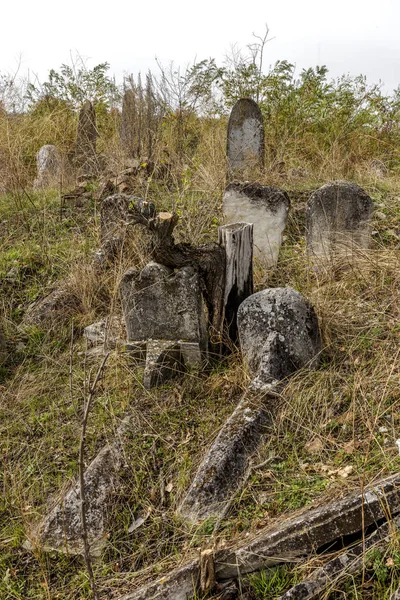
{"x":245,"y":141}
{"x":163,"y":309}
{"x":279,"y":334}
{"x":85,"y":151}
{"x":266,"y":207}
{"x":337,"y":220}
{"x":49,"y":167}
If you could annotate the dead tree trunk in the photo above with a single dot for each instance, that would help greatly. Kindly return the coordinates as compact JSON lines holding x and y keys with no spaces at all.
{"x":237,"y":240}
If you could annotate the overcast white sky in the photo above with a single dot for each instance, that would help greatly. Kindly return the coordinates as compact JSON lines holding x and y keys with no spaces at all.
{"x":349,"y":36}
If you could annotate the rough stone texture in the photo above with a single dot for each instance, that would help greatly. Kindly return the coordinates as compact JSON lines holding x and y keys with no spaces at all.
{"x":266,"y":207}
{"x":61,"y":530}
{"x":161,"y":304}
{"x":296,"y":537}
{"x":312,"y":530}
{"x":163,"y":363}
{"x":345,"y":564}
{"x":378,"y":168}
{"x":337,"y":220}
{"x":96,"y":333}
{"x":53,"y":309}
{"x":237,"y":239}
{"x":85,"y":150}
{"x":224,"y":467}
{"x":49,"y":167}
{"x":245,"y":141}
{"x":180,"y":584}
{"x":278,"y":332}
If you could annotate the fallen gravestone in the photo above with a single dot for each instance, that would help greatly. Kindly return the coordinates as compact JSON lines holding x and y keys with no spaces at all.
{"x":245,"y":141}
{"x":85,"y":150}
{"x":337,"y":220}
{"x":305,"y":534}
{"x":279,"y":334}
{"x":61,"y":529}
{"x":266,"y":207}
{"x":49,"y":167}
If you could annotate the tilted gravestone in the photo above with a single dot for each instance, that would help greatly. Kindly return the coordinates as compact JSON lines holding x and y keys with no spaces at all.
{"x":164,"y":309}
{"x":266,"y":207}
{"x":128,"y":130}
{"x":49,"y":166}
{"x":85,"y":150}
{"x":337,"y":220}
{"x":279,"y":334}
{"x":245,"y":141}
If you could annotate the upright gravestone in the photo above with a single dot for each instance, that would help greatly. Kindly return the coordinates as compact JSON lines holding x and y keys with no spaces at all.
{"x":245,"y":141}
{"x":128,"y":131}
{"x":163,"y":310}
{"x":337,"y":220}
{"x":49,"y":166}
{"x":266,"y":207}
{"x":85,"y":152}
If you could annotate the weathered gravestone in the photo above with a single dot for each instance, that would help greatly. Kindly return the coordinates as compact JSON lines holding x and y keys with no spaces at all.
{"x":49,"y":166}
{"x":245,"y":141}
{"x":85,"y":150}
{"x":337,"y":220}
{"x":164,"y":309}
{"x":278,"y":332}
{"x":128,"y":120}
{"x":266,"y":207}
{"x":61,"y":529}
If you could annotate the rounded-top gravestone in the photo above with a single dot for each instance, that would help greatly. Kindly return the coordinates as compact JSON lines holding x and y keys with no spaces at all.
{"x":245,"y":142}
{"x":337,"y":220}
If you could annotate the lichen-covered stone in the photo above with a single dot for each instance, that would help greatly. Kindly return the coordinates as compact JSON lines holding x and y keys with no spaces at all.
{"x":161,"y":304}
{"x":337,"y":220}
{"x":245,"y":141}
{"x":266,"y":208}
{"x":278,"y":332}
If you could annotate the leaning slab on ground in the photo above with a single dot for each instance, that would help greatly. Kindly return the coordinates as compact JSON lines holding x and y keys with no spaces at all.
{"x":347,"y":563}
{"x":61,"y":529}
{"x":54,"y":309}
{"x":49,"y":167}
{"x":163,"y":309}
{"x":279,"y":334}
{"x":245,"y":141}
{"x":266,"y":207}
{"x":304,"y":535}
{"x":338,"y":219}
{"x":225,"y":466}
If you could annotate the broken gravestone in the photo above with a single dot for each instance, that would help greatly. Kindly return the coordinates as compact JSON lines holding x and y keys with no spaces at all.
{"x":266,"y":207}
{"x":245,"y":141}
{"x":337,"y":220}
{"x":164,"y":309}
{"x":279,"y":334}
{"x":85,"y":150}
{"x":61,"y":529}
{"x":49,"y":167}
{"x":128,"y":122}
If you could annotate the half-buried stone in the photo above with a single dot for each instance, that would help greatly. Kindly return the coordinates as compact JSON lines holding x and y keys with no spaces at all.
{"x":266,"y":207}
{"x":278,"y":332}
{"x":338,"y":220}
